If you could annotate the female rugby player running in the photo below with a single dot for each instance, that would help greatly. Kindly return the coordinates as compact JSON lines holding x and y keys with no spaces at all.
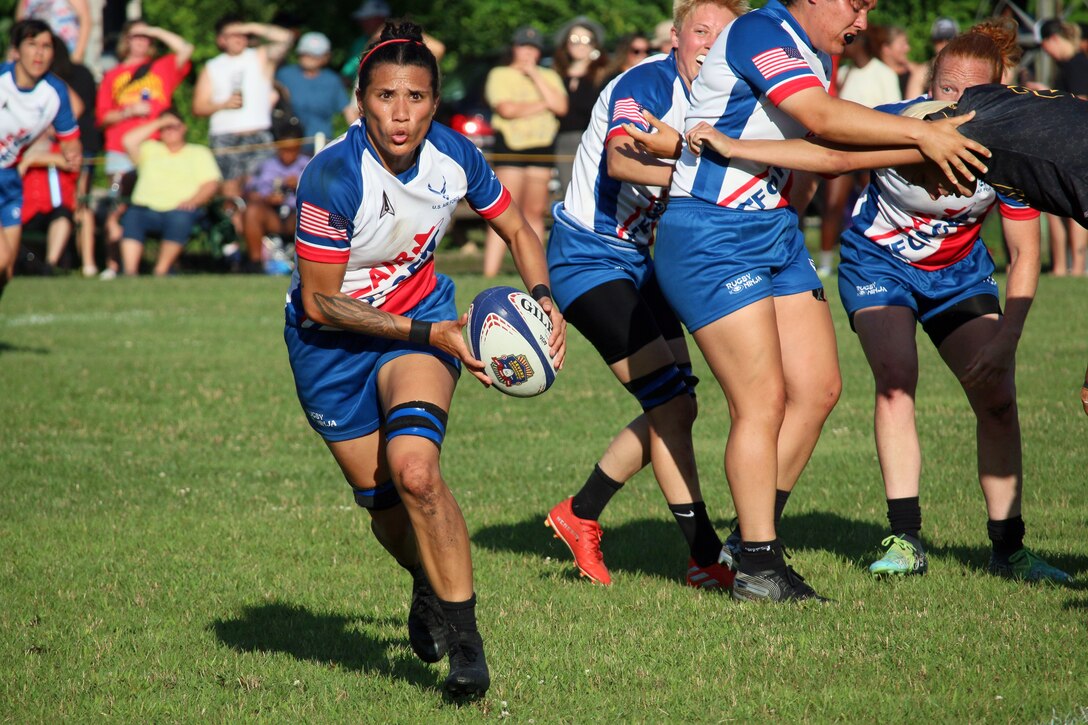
{"x":33,"y":100}
{"x":373,"y":335}
{"x":911,"y":258}
{"x":732,"y":262}
{"x":602,"y":272}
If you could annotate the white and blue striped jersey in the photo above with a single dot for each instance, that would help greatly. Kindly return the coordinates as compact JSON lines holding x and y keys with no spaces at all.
{"x":620,"y":209}
{"x":26,"y":112}
{"x":926,"y":233}
{"x":759,"y":60}
{"x":384,"y":226}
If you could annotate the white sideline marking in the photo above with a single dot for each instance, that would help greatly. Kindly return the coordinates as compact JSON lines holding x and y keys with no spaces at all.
{"x":36,"y":320}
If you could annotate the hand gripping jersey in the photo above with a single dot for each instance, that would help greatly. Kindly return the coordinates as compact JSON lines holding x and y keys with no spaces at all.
{"x":1039,"y":141}
{"x":927,"y":233}
{"x":619,"y":209}
{"x":386,"y":227}
{"x":25,"y":113}
{"x":759,"y":60}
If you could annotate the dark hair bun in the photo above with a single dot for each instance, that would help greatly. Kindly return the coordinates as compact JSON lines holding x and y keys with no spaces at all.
{"x":403,"y":30}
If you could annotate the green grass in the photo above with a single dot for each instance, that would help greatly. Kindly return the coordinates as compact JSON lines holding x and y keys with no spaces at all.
{"x":179,"y":546}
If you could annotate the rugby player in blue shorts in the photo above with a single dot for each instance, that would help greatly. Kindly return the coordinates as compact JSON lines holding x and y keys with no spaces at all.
{"x":732,"y":263}
{"x":603,"y":278}
{"x":908,"y":258}
{"x":373,"y":335}
{"x":31,"y":100}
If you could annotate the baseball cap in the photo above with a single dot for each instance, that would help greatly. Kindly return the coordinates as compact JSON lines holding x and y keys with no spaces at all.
{"x":528,"y":35}
{"x":944,"y":29}
{"x":313,"y":44}
{"x":372,"y":9}
{"x":662,"y":34}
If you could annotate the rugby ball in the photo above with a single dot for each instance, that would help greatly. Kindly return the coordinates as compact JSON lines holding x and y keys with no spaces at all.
{"x":508,"y":331}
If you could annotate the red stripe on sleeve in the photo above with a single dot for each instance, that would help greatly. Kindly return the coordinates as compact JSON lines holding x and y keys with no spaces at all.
{"x":784,"y":90}
{"x":1017,"y":213}
{"x":497,"y":207}
{"x":617,"y":131}
{"x":315,"y":253}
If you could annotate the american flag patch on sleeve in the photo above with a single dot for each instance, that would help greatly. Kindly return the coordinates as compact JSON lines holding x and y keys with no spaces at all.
{"x":321,"y":223}
{"x":779,"y":60}
{"x":628,"y":109}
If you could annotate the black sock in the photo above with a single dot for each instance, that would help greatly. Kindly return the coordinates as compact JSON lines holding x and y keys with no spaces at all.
{"x":460,"y":616}
{"x":761,"y":555}
{"x":419,"y":577}
{"x":703,"y":541}
{"x":780,"y":499}
{"x":905,"y":516}
{"x":1007,"y":536}
{"x":595,"y":495}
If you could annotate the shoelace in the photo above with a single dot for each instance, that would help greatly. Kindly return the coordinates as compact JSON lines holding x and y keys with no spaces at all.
{"x":898,"y":542}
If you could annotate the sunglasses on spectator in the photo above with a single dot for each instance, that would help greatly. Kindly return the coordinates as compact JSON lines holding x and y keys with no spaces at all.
{"x":172,"y":127}
{"x":579,"y":39}
{"x":638,"y":51}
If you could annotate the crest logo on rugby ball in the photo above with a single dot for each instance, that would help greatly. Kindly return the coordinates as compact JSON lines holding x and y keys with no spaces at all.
{"x":511,"y":370}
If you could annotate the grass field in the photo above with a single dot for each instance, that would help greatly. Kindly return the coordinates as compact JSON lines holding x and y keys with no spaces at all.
{"x":179,"y":546}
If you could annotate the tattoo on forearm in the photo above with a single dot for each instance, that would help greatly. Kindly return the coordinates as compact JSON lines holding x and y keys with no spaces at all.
{"x":346,"y":313}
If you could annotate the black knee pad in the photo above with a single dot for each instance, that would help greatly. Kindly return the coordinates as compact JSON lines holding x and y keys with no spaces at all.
{"x":378,"y":498}
{"x":615,"y":318}
{"x":417,"y":418}
{"x":689,"y":378}
{"x":658,"y":387}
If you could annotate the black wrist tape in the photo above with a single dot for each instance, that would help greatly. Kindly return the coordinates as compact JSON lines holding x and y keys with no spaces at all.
{"x":420,"y":332}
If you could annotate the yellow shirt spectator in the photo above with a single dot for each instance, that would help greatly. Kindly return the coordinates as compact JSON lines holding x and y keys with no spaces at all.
{"x":167,"y":179}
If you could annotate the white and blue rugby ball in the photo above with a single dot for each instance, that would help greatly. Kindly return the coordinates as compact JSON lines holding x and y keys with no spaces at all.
{"x":509,"y":332}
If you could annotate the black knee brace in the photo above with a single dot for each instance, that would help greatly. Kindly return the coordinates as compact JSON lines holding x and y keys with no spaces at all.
{"x":417,"y":418}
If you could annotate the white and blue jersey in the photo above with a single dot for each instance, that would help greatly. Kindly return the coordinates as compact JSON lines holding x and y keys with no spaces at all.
{"x":906,"y":249}
{"x":759,"y":60}
{"x":616,"y":209}
{"x":24,"y":114}
{"x":926,"y":233}
{"x":385,"y":227}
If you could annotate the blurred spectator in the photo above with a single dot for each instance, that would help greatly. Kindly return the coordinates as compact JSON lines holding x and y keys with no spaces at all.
{"x":1061,"y":41}
{"x":270,"y":197}
{"x":70,"y":19}
{"x":81,"y":83}
{"x":631,"y":49}
{"x":316,"y":93}
{"x":175,"y":181}
{"x":942,"y":31}
{"x":235,"y":90}
{"x":581,"y":63}
{"x":371,"y":17}
{"x":893,"y":47}
{"x":49,"y":196}
{"x":864,"y":78}
{"x":526,"y":100}
{"x":133,"y":93}
{"x":31,"y":100}
{"x":663,"y":40}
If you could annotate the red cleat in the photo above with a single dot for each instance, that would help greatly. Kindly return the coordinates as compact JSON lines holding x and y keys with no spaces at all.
{"x":583,"y":538}
{"x":715,"y":576}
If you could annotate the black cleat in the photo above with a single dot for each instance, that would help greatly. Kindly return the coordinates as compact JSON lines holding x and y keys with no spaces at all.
{"x":427,"y":632}
{"x":469,"y":676}
{"x":773,"y":585}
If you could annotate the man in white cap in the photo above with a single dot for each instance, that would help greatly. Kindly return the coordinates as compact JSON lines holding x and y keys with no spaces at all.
{"x":371,"y":16}
{"x":316,"y":93}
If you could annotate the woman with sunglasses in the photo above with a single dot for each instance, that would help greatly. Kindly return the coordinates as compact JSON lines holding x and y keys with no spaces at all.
{"x":631,"y":49}
{"x":581,"y":62}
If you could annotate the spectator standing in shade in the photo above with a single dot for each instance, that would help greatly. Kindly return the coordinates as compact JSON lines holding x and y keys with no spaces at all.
{"x":175,"y":181}
{"x":663,"y":41}
{"x":631,"y":49}
{"x":371,"y":17}
{"x":235,"y":91}
{"x":316,"y":93}
{"x":894,"y":49}
{"x":581,"y":62}
{"x":81,"y":83}
{"x":70,"y":19}
{"x":867,"y":80}
{"x":133,"y":93}
{"x":942,"y":31}
{"x":270,"y":196}
{"x":526,"y":100}
{"x":1061,"y":41}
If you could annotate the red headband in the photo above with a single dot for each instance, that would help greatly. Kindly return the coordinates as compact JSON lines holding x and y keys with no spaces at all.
{"x":383,"y":44}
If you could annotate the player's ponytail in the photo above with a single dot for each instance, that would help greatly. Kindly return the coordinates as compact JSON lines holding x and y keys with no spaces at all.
{"x":992,"y":42}
{"x":400,"y":43}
